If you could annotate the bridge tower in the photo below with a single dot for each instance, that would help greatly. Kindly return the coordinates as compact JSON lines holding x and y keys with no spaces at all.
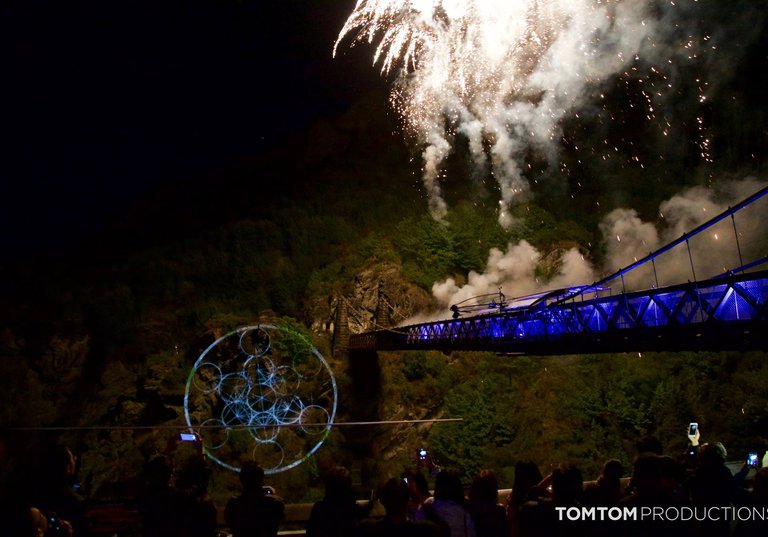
{"x":381,"y":318}
{"x":340,"y":343}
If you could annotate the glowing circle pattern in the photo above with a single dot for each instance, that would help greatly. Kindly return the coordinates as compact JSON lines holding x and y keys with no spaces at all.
{"x":261,"y":393}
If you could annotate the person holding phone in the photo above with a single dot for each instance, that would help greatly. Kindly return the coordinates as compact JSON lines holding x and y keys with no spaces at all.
{"x":712,"y":484}
{"x":694,"y":434}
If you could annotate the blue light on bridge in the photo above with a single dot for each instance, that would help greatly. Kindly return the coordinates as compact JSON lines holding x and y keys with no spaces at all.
{"x":729,"y":311}
{"x":737,"y":299}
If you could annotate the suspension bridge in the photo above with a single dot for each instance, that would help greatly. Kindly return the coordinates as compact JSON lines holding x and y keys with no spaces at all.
{"x":725,"y":311}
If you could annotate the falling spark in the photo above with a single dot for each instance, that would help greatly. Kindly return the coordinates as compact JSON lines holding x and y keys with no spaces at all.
{"x":501,"y":73}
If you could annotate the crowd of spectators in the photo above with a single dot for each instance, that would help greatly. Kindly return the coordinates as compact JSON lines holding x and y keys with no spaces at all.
{"x":176,"y":505}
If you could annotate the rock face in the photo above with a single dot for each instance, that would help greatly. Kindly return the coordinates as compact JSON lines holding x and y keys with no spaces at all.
{"x":380,"y":298}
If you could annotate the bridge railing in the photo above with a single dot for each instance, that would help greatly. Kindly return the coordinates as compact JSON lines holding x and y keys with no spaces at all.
{"x":725,"y":305}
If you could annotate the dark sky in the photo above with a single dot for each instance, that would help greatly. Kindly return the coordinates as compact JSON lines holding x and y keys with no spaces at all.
{"x":107,"y":100}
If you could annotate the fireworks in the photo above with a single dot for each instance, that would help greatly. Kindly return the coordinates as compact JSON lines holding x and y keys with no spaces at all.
{"x":502,"y":74}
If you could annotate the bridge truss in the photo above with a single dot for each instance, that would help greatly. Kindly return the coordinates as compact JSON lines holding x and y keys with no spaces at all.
{"x":720,"y":314}
{"x":727,"y":312}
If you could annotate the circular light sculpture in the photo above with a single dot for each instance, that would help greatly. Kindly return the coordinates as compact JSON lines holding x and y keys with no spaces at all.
{"x":261,"y":393}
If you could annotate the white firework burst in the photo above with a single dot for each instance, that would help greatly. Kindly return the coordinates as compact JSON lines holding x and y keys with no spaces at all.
{"x":501,"y":73}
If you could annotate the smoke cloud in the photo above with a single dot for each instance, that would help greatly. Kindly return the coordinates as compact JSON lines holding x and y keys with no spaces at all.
{"x":628,"y":238}
{"x":712,"y":252}
{"x":515,"y":273}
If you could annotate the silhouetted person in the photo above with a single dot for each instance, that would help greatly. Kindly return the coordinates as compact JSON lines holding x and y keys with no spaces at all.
{"x":18,"y":519}
{"x":56,"y":495}
{"x":448,"y":507}
{"x":711,"y":485}
{"x":419,"y":491}
{"x":196,"y":514}
{"x":17,"y":515}
{"x":395,"y":497}
{"x":671,"y":484}
{"x":158,"y":502}
{"x":337,"y":514}
{"x":606,"y":490}
{"x":757,"y":498}
{"x":254,"y":513}
{"x":527,"y":476}
{"x":654,"y":483}
{"x":488,"y":515}
{"x":540,"y":517}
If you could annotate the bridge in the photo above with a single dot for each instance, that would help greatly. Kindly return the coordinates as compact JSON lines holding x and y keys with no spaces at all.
{"x":728,"y":311}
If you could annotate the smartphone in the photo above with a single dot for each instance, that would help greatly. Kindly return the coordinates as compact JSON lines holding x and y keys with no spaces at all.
{"x":54,"y":523}
{"x":752,"y":460}
{"x":692,"y":428}
{"x":187,"y":437}
{"x":422,"y":454}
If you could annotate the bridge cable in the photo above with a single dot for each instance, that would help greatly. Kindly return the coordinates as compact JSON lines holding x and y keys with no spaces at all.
{"x":738,"y":244}
{"x":683,"y":238}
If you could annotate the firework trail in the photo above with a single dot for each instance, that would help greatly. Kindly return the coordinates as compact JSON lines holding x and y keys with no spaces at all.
{"x":501,"y":73}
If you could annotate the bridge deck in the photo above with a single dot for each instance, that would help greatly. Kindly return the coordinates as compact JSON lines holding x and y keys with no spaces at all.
{"x":726,"y":313}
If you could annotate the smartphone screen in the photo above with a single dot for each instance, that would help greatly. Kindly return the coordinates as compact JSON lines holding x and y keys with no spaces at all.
{"x":187,"y":437}
{"x":752,"y":460}
{"x":692,"y":429}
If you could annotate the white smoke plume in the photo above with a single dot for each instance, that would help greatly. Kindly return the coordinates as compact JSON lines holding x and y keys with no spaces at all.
{"x":514,"y":272}
{"x":628,"y":238}
{"x":503,"y":73}
{"x":712,"y":252}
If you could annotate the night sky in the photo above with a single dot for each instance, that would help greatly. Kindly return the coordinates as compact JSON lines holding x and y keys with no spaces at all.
{"x":106,"y":102}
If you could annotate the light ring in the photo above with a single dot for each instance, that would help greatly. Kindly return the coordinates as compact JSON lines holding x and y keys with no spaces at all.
{"x":261,"y":389}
